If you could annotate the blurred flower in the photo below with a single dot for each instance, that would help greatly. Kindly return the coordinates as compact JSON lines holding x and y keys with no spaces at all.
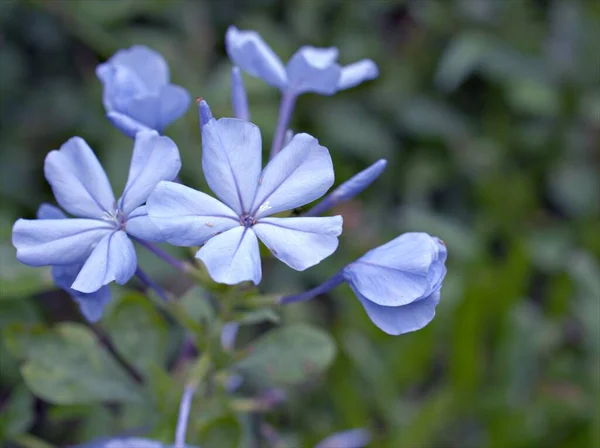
{"x":309,"y":70}
{"x":353,"y":438}
{"x":98,"y":238}
{"x":228,"y":335}
{"x":137,"y":93}
{"x":239,"y":98}
{"x":399,"y":283}
{"x":228,"y":230}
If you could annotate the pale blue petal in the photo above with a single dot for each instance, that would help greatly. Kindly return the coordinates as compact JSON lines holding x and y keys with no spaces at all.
{"x":352,"y":438}
{"x":314,"y":70}
{"x":401,"y":319}
{"x":112,"y":259}
{"x":187,"y":217}
{"x":300,"y":173}
{"x":239,"y":99}
{"x":249,"y":51}
{"x":141,"y":226}
{"x":204,"y":113}
{"x":231,"y":161}
{"x":232,"y":257}
{"x":42,"y":242}
{"x":145,"y":110}
{"x":49,"y":211}
{"x":125,"y":124}
{"x":356,"y":73}
{"x":174,"y":102}
{"x":78,"y":181}
{"x":92,"y":304}
{"x":300,"y":242}
{"x":154,"y":159}
{"x":121,"y":85}
{"x":397,"y":272}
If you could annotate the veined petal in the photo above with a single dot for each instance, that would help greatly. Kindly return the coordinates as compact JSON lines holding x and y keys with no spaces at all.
{"x":49,"y":211}
{"x":155,"y":158}
{"x":112,"y":259}
{"x":250,"y":52}
{"x":300,"y":173}
{"x":125,"y":124}
{"x":42,"y":242}
{"x":232,"y":257}
{"x":300,"y":242}
{"x":356,"y":73}
{"x":146,"y":63}
{"x":78,"y":181}
{"x":174,"y":101}
{"x":231,"y":161}
{"x":187,"y":217}
{"x":141,"y":226}
{"x":314,"y":70}
{"x":396,"y":320}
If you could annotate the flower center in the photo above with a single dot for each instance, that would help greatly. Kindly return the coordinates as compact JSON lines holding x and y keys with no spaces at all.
{"x":117,"y":217}
{"x":247,"y":220}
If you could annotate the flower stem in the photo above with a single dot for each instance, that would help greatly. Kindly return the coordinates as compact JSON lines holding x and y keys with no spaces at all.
{"x":177,"y":264}
{"x":149,"y":283}
{"x":286,"y":108}
{"x":324,"y":287}
{"x":184,"y":414}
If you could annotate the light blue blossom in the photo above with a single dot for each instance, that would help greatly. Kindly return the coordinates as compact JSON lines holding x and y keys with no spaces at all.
{"x":352,"y":438}
{"x":310,"y":69}
{"x":399,"y":283}
{"x":228,"y":230}
{"x":98,"y":238}
{"x":137,"y":93}
{"x":239,"y":98}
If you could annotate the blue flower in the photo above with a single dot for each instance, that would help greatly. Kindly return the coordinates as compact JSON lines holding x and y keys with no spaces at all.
{"x":352,"y":438}
{"x":399,"y":283}
{"x":98,"y":238}
{"x":309,"y":70}
{"x":228,"y":229}
{"x":137,"y":93}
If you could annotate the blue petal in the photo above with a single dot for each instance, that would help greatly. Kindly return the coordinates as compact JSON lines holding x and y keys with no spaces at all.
{"x":231,"y":161}
{"x":78,"y":181}
{"x":42,"y":242}
{"x":314,"y":70}
{"x":49,"y":211}
{"x":112,"y":259}
{"x":125,"y":124}
{"x":204,"y":113}
{"x":300,"y":242}
{"x":145,"y":110}
{"x":232,"y":257}
{"x":141,"y":226}
{"x":397,"y":320}
{"x":174,"y":102}
{"x":352,"y":438}
{"x":397,"y":272}
{"x":121,"y":85}
{"x":249,"y":51}
{"x":187,"y":217}
{"x":356,"y":73}
{"x":92,"y":304}
{"x":155,"y":158}
{"x":239,"y":99}
{"x":300,"y":173}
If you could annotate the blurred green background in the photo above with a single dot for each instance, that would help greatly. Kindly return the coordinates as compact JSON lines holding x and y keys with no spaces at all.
{"x":488,"y":112}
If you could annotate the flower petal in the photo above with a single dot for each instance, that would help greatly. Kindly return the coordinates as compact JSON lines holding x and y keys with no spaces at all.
{"x":187,"y":217}
{"x":42,"y":242}
{"x":356,"y":73}
{"x":300,"y":242}
{"x":251,"y":53}
{"x":144,"y":109}
{"x":49,"y":211}
{"x":92,"y":304}
{"x":232,"y":257}
{"x":174,"y":102}
{"x":112,"y":259}
{"x":314,"y":70}
{"x":397,"y":320}
{"x":231,"y":161}
{"x":300,"y":173}
{"x":125,"y":124}
{"x":155,"y":158}
{"x":396,"y":273}
{"x":78,"y":181}
{"x":139,"y":225}
{"x":239,"y":98}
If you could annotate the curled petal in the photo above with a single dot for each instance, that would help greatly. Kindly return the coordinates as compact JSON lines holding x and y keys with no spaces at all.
{"x":314,"y":70}
{"x":141,"y":226}
{"x":112,"y":259}
{"x":239,"y":99}
{"x":356,"y":73}
{"x":232,"y":257}
{"x":300,"y":173}
{"x":249,"y":51}
{"x":187,"y":217}
{"x":42,"y":242}
{"x":78,"y":181}
{"x":204,"y":113}
{"x":125,"y":124}
{"x":300,"y":242}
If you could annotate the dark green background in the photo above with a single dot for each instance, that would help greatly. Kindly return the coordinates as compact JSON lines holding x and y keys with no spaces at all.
{"x":488,"y":113}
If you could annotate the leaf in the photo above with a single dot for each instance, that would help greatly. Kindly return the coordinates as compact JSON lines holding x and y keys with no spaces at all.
{"x":139,"y":332}
{"x":68,"y":366}
{"x":196,"y":305}
{"x":460,"y":59}
{"x":17,"y":414}
{"x":289,"y":354}
{"x":18,"y":280}
{"x":257,"y":316}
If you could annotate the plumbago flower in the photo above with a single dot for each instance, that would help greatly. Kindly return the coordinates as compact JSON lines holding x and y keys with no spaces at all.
{"x":228,"y":229}
{"x":94,"y":248}
{"x":137,"y":93}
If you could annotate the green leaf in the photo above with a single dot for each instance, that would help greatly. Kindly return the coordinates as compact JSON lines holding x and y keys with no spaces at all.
{"x":289,"y":354}
{"x":196,"y":305}
{"x":17,"y":414}
{"x":139,"y":332}
{"x":460,"y":59}
{"x":257,"y":316}
{"x":18,"y":280}
{"x":67,"y":365}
